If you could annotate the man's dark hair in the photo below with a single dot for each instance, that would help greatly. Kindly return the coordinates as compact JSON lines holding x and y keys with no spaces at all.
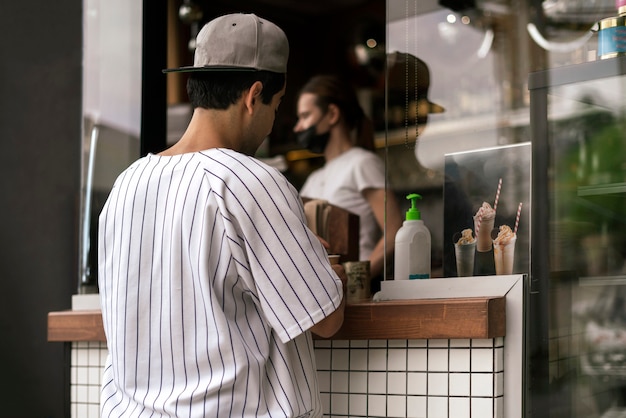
{"x":218,"y":90}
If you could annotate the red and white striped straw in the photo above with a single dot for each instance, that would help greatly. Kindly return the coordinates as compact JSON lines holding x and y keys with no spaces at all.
{"x":519,"y":211}
{"x":495,"y":203}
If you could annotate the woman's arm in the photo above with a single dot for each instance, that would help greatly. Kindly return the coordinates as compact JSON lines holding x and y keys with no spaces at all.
{"x":376,"y":199}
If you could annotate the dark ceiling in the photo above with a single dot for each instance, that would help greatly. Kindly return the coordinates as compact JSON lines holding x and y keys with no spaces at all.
{"x":297,"y":9}
{"x":317,"y":7}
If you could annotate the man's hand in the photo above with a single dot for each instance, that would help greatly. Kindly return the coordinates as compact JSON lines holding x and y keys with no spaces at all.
{"x":341,"y":272}
{"x":328,"y":326}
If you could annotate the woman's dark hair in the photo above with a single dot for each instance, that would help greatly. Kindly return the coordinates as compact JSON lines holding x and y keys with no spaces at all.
{"x":330,"y":89}
{"x":219,"y":90}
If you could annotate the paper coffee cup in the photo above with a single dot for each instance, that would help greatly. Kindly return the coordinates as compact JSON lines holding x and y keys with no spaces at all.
{"x":334,"y":258}
{"x":359,"y":279}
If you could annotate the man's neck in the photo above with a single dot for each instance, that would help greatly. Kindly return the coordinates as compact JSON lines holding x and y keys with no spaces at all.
{"x":207,"y":129}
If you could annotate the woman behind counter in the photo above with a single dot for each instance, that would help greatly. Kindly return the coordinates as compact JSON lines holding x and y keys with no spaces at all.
{"x":331,"y":121}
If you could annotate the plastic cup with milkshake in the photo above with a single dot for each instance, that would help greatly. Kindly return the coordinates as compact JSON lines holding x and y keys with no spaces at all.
{"x":483,"y":224}
{"x":464,"y":250}
{"x":504,"y":249}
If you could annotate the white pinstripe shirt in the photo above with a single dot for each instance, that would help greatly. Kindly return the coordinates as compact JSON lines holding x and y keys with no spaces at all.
{"x":209,"y":280}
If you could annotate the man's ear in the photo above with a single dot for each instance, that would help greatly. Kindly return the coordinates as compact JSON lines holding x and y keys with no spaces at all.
{"x":253,"y":95}
{"x":334,"y":113}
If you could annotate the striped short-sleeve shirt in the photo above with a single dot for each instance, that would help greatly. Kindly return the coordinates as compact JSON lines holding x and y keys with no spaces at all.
{"x":209,"y":280}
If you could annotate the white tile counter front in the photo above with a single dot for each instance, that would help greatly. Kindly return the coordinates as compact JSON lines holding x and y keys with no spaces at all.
{"x":426,"y":378}
{"x":412,"y":378}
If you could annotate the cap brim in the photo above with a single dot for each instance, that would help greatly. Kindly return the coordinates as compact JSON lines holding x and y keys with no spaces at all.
{"x":435,"y":108}
{"x":192,"y":69}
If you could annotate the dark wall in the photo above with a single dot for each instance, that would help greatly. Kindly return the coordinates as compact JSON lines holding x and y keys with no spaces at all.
{"x":40,"y":107}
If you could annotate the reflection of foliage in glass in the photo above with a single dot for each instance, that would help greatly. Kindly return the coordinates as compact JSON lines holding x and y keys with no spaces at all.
{"x":593,"y":150}
{"x":590,"y":150}
{"x":585,"y":138}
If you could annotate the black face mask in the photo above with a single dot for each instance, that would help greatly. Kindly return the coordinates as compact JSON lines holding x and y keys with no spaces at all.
{"x":314,"y":142}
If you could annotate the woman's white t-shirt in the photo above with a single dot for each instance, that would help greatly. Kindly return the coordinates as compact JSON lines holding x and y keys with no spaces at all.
{"x":341,"y":181}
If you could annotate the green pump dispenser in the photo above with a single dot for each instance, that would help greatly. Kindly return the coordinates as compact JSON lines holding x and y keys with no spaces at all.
{"x":413,"y":214}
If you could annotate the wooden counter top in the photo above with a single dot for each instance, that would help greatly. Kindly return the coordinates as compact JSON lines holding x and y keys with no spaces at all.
{"x":473,"y":317}
{"x":425,"y":319}
{"x":75,"y":326}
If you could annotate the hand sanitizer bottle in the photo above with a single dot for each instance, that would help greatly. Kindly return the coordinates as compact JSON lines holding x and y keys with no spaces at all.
{"x":413,"y":246}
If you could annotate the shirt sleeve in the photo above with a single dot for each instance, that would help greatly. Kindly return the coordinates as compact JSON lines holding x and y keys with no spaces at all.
{"x":369,"y":172}
{"x":288,"y":265}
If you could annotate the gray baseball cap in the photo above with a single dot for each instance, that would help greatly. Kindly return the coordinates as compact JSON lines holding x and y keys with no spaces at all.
{"x":239,"y":42}
{"x":408,"y":73}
